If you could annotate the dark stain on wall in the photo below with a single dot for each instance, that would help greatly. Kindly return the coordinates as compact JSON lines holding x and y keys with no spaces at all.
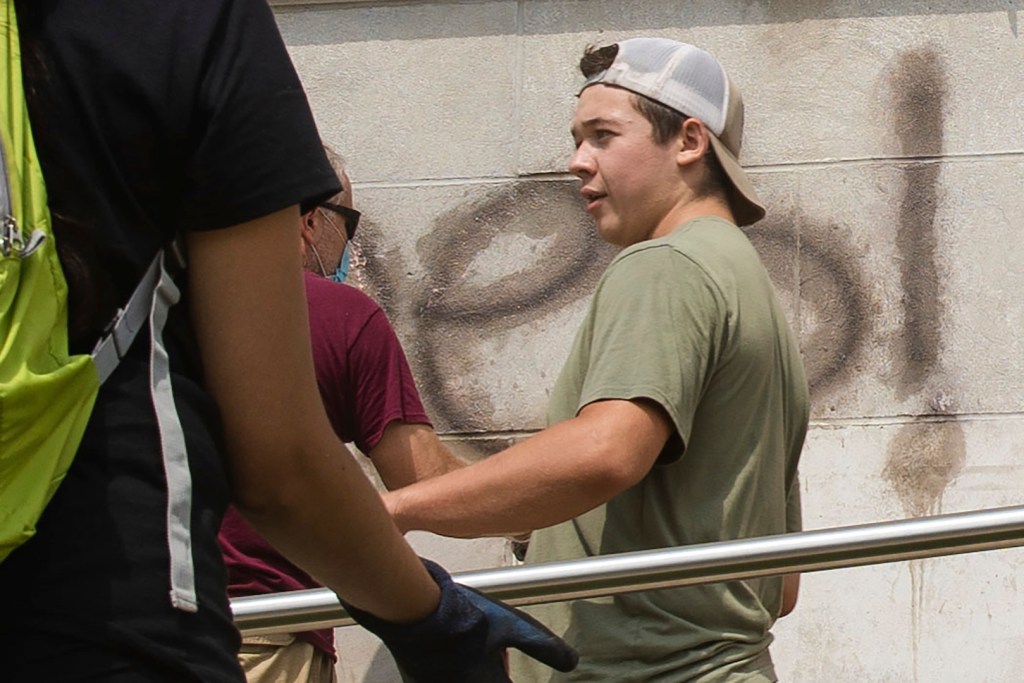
{"x":923,"y":459}
{"x":918,"y":82}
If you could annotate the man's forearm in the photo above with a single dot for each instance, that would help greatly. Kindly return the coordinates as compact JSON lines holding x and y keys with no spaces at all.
{"x":549,"y":478}
{"x":509,"y":492}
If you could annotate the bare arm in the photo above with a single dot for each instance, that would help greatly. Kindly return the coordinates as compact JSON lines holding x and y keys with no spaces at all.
{"x":790,"y":591}
{"x":291,"y":477}
{"x":553,"y":476}
{"x":794,"y":523}
{"x":409,"y":452}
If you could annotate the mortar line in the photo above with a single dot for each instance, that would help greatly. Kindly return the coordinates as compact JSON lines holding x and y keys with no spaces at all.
{"x":956,"y":158}
{"x":517,"y":87}
{"x":755,"y":169}
{"x":890,"y":420}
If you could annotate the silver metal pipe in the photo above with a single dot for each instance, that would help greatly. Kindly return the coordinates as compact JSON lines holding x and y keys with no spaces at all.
{"x":808,"y":551}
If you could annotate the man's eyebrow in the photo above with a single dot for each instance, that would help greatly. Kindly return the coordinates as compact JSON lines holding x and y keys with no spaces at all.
{"x":596,"y":121}
{"x":593,"y":122}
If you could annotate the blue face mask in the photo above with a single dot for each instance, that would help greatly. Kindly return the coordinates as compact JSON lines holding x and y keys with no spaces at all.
{"x":341,"y":272}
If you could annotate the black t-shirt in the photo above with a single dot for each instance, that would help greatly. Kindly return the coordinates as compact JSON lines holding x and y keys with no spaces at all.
{"x":150,"y":117}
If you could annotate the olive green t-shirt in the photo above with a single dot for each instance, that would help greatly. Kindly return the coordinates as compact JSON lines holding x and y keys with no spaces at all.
{"x":690,"y":321}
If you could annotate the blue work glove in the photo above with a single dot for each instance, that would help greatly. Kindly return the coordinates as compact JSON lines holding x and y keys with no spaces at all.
{"x":464,"y":640}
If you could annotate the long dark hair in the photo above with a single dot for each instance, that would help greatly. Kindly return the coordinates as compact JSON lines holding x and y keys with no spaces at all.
{"x":90,"y":290}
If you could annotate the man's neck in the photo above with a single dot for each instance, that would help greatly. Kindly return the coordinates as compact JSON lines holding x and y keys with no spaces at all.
{"x":704,"y":207}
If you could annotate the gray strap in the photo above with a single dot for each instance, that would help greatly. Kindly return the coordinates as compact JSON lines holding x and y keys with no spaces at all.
{"x":151,"y":301}
{"x":12,"y":241}
{"x":121,"y":332}
{"x":172,"y":445}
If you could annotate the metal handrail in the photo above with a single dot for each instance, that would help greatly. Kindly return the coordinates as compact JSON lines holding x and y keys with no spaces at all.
{"x":808,"y":551}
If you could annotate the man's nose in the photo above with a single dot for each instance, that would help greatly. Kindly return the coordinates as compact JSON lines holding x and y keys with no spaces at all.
{"x":582,"y":162}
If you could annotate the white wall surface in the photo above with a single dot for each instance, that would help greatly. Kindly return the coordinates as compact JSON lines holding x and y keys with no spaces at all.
{"x":887,"y":140}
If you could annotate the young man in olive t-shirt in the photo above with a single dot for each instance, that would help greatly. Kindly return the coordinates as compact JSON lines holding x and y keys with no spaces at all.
{"x":681,"y":411}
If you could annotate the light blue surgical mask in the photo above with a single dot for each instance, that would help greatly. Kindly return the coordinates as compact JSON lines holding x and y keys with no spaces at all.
{"x":341,"y":272}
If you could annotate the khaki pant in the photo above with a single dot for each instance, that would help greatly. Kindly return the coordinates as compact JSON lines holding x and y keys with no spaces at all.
{"x":282,"y":658}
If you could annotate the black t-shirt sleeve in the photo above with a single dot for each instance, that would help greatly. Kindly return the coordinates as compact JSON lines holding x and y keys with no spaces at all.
{"x":257,"y":149}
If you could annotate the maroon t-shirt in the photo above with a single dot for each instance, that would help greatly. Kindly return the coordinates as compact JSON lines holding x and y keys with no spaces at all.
{"x":365,"y":383}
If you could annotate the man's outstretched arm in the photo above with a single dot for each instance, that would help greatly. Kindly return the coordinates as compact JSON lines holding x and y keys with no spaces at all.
{"x":551,"y":477}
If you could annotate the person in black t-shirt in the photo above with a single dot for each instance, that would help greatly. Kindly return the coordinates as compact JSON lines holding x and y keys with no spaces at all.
{"x":154,"y":118}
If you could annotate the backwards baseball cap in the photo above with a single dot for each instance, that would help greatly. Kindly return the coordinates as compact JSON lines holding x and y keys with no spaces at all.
{"x":693,"y":83}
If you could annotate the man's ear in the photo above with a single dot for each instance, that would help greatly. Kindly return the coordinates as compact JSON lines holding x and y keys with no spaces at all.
{"x":308,"y":236}
{"x":693,"y":142}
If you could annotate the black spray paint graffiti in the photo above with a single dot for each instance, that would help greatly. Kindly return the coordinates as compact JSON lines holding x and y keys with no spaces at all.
{"x":829,"y":285}
{"x":449,"y":312}
{"x":566,"y":271}
{"x":920,"y":89}
{"x":926,"y":456}
{"x":445,"y":311}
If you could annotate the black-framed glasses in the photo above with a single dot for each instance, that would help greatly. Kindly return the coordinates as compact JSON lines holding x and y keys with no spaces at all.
{"x":351,"y":216}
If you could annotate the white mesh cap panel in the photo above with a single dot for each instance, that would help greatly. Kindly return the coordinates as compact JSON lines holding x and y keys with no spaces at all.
{"x":692,"y":82}
{"x":678,"y":75}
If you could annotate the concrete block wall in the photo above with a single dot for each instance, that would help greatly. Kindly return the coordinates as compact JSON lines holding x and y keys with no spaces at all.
{"x":887,"y":140}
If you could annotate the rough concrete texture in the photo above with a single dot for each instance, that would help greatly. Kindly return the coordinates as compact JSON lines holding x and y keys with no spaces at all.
{"x":412,"y":92}
{"x":885,"y":137}
{"x":944,"y":619}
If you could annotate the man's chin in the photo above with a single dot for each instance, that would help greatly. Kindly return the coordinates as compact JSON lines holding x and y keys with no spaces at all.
{"x":613,"y":235}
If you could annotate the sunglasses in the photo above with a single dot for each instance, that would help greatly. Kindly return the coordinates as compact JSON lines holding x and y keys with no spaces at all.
{"x":351,"y":216}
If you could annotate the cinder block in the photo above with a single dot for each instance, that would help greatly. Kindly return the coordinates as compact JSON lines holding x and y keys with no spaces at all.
{"x":846,"y":628}
{"x":967,"y":617}
{"x":873,"y":471}
{"x":413,"y":92}
{"x":907,"y":298}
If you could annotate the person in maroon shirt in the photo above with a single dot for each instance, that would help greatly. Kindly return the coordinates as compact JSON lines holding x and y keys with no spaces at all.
{"x":371,"y":400}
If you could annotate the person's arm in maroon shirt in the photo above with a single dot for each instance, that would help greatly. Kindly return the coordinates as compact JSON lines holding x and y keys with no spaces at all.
{"x":368,"y":387}
{"x":408,"y":449}
{"x":409,"y":452}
